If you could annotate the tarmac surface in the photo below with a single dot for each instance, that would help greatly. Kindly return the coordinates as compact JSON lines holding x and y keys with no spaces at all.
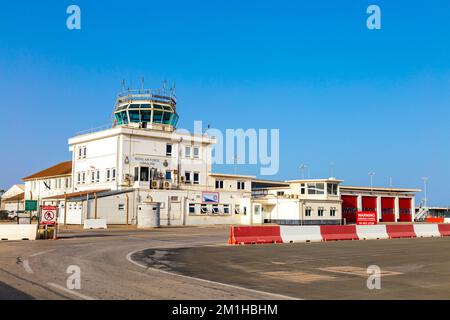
{"x":194,"y":263}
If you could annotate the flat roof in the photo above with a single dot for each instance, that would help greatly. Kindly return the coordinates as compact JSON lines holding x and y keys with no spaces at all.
{"x":230,"y":175}
{"x":314,"y":180}
{"x":355,"y":188}
{"x":60,"y":169}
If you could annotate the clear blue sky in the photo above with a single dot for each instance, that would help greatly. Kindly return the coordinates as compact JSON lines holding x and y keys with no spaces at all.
{"x":364,"y":100}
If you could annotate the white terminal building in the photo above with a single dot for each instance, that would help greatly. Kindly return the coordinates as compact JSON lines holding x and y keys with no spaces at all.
{"x":142,"y":159}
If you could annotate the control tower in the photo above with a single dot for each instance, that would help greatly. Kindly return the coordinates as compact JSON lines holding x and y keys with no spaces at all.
{"x":146,"y":109}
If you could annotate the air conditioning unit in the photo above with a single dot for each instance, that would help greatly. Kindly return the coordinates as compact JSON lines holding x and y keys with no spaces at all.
{"x":167,"y":185}
{"x":155,"y":184}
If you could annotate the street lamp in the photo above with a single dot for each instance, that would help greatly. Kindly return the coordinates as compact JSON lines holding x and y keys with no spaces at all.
{"x":425,"y":199}
{"x":371,"y":174}
{"x":302,"y":169}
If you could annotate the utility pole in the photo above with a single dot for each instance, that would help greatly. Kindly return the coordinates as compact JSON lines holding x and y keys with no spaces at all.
{"x":236,"y":158}
{"x":371,"y":174}
{"x":425,"y":199}
{"x":302,"y":169}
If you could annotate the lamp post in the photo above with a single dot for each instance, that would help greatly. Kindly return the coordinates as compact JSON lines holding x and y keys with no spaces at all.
{"x":371,"y":174}
{"x":425,"y":199}
{"x":302,"y":170}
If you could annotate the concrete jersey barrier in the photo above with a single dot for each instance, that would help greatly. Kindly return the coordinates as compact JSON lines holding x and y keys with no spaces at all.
{"x":372,"y":232}
{"x":95,"y":224}
{"x":292,"y":234}
{"x":400,"y":231}
{"x":255,"y":235}
{"x":18,"y":232}
{"x":426,"y":230}
{"x":334,"y":233}
{"x":444,"y":230}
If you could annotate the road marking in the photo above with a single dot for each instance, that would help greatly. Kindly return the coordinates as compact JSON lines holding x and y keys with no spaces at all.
{"x":280,"y":296}
{"x":25,"y":264}
{"x":41,"y":253}
{"x":72,"y":292}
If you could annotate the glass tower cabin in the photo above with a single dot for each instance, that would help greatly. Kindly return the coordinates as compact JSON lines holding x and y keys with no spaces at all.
{"x":146,"y":109}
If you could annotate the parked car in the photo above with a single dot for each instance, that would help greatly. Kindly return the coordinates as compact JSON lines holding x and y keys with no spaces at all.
{"x":4,"y":214}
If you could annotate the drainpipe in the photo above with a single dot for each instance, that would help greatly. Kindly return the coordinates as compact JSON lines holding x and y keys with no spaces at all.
{"x":95,"y":205}
{"x":127,"y":212}
{"x":65,"y":208}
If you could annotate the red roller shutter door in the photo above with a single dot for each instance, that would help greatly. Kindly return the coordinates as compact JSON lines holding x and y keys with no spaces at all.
{"x":349,"y":208}
{"x":405,"y":205}
{"x":369,"y":204}
{"x":388,"y":209}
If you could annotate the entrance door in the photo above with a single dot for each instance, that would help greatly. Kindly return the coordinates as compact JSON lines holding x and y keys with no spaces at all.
{"x":257,"y":216}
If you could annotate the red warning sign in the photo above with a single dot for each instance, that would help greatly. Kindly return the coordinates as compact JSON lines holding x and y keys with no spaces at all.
{"x":366,"y":218}
{"x":48,"y":215}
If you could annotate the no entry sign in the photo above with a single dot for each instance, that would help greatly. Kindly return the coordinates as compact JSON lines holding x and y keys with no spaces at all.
{"x":366,"y":218}
{"x":48,"y":215}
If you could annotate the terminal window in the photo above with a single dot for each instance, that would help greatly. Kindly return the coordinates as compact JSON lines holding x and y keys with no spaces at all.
{"x":241,"y":185}
{"x":219,"y":184}
{"x":320,"y":212}
{"x":168,"y":150}
{"x":308,"y":211}
{"x":332,"y":188}
{"x":196,"y":153}
{"x":332,"y":212}
{"x":196,"y":178}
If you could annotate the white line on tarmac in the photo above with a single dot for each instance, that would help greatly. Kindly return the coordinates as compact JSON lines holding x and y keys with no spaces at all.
{"x":72,"y":292}
{"x":41,"y":253}
{"x":280,"y":296}
{"x":26,"y":266}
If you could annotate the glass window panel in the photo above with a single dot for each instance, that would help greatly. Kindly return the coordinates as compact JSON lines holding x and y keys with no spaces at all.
{"x":134,"y":115}
{"x":124,"y":117}
{"x":320,"y":188}
{"x":145,"y":115}
{"x":166,"y":117}
{"x":157,"y":116}
{"x":119,"y":120}
{"x":174,"y":120}
{"x":144,"y":173}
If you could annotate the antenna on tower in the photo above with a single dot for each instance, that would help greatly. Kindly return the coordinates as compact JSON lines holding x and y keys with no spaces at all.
{"x":123,"y":84}
{"x":142,"y":83}
{"x":172,"y":90}
{"x":164,"y":87}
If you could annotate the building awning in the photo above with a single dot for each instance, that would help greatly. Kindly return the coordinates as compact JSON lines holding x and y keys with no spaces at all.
{"x":17,"y":197}
{"x":60,"y":169}
{"x":75,"y":194}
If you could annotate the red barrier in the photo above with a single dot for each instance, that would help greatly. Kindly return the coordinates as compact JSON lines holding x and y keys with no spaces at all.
{"x":444,"y":230}
{"x":255,"y":235}
{"x":333,"y":233}
{"x":434,"y":220}
{"x":400,"y":231}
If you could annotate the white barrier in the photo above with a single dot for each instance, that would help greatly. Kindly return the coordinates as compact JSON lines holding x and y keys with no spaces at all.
{"x":18,"y":232}
{"x":300,"y":234}
{"x":95,"y":224}
{"x":446,"y":220}
{"x":372,"y":232}
{"x":427,"y":230}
